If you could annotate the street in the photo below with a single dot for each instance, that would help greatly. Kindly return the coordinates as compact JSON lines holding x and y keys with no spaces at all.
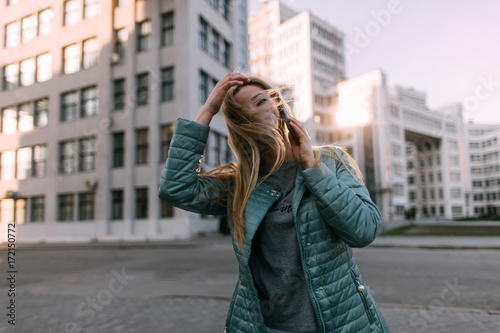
{"x":186,"y":287}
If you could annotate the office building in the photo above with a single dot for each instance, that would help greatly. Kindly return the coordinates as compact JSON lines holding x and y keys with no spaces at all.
{"x":90,"y":92}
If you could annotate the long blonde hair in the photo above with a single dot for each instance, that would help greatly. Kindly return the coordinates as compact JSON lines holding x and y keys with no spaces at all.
{"x":250,"y":138}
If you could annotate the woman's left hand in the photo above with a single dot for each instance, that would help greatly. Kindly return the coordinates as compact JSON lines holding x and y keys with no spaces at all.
{"x":303,"y":152}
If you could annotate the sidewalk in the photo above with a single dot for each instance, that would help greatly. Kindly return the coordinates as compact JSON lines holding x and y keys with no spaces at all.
{"x":438,"y":242}
{"x":187,"y":303}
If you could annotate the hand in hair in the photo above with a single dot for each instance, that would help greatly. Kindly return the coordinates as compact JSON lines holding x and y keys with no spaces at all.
{"x":214,"y":101}
{"x":303,"y":153}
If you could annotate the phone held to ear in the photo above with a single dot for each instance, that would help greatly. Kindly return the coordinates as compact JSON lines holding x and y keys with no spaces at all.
{"x":285,"y":119}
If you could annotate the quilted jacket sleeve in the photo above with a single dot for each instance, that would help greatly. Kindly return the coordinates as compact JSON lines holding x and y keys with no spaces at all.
{"x":180,"y":184}
{"x":343,"y":202}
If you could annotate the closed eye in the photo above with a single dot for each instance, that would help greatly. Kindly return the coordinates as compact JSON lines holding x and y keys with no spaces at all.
{"x":261,"y":101}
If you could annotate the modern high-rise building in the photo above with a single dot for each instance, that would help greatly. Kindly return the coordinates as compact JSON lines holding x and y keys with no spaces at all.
{"x":90,"y":92}
{"x":299,"y":50}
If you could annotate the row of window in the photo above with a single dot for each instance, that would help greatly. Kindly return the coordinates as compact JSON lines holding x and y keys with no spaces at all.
{"x":486,"y":196}
{"x":23,"y":163}
{"x":327,"y":52}
{"x":324,"y":67}
{"x":210,"y":40}
{"x":28,"y":71}
{"x":28,"y":28}
{"x":324,"y":137}
{"x":77,"y":206}
{"x":487,"y":183}
{"x":455,"y":193}
{"x":24,"y":117}
{"x":76,"y":56}
{"x":83,"y":103}
{"x":79,"y":154}
{"x":78,"y":10}
{"x":327,"y":35}
{"x":144,"y":33}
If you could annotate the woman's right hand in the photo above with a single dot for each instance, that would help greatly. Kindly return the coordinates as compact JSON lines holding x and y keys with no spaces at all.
{"x":214,"y":101}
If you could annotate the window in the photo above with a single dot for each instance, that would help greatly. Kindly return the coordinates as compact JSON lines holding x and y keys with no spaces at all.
{"x":85,"y":206}
{"x":167,"y":84}
{"x":167,"y":131}
{"x":203,"y":34}
{"x":118,"y":149}
{"x":203,"y":87}
{"x":12,"y":35}
{"x":9,"y":120}
{"x":142,"y":147}
{"x":71,"y":61}
{"x":20,"y":210}
{"x":141,"y":203}
{"x":117,"y":204}
{"x":25,"y":117}
{"x":119,"y":94}
{"x":43,"y":67}
{"x":142,"y":93}
{"x":167,"y":29}
{"x":214,"y":3}
{"x":8,"y":165}
{"x":41,"y":117}
{"x":66,"y":209}
{"x":87,"y":154}
{"x":72,"y":12}
{"x":10,"y":76}
{"x":67,"y":157}
{"x":23,"y":165}
{"x":122,"y":3}
{"x":27,"y":72}
{"x":224,"y":9}
{"x":166,"y":209}
{"x":69,"y":102}
{"x":12,"y":2}
{"x":90,"y":53}
{"x":226,"y":54}
{"x":37,"y":209}
{"x":29,"y":28}
{"x":91,"y":8}
{"x":45,"y":18}
{"x":89,"y":102}
{"x":144,"y":35}
{"x":121,"y":40}
{"x":39,"y":161}
{"x":215,"y":50}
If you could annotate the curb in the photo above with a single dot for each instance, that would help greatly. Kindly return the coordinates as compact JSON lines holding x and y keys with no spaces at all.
{"x":436,"y":247}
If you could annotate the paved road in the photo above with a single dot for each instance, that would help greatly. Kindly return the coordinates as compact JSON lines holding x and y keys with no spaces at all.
{"x":186,"y":288}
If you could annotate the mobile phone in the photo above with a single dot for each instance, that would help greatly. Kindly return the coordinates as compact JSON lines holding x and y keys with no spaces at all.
{"x":285,"y":119}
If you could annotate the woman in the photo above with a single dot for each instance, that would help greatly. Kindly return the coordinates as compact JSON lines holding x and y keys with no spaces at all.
{"x":294,"y":212}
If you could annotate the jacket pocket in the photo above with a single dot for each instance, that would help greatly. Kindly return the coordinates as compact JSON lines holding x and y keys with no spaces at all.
{"x":362,"y":294}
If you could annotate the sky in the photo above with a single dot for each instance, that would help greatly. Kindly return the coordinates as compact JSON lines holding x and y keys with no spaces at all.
{"x":449,"y":49}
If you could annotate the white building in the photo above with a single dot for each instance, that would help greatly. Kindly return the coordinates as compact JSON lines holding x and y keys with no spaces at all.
{"x":90,"y":91}
{"x":413,"y":158}
{"x":483,"y":161}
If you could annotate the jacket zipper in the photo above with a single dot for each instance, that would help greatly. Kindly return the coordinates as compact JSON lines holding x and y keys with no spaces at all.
{"x":363,"y":297}
{"x":309,"y":285}
{"x":314,"y":300}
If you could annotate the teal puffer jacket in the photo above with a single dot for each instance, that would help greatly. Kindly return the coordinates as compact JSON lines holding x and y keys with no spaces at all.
{"x":332,"y":212}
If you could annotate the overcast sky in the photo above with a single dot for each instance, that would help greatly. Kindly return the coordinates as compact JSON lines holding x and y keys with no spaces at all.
{"x":449,"y":49}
